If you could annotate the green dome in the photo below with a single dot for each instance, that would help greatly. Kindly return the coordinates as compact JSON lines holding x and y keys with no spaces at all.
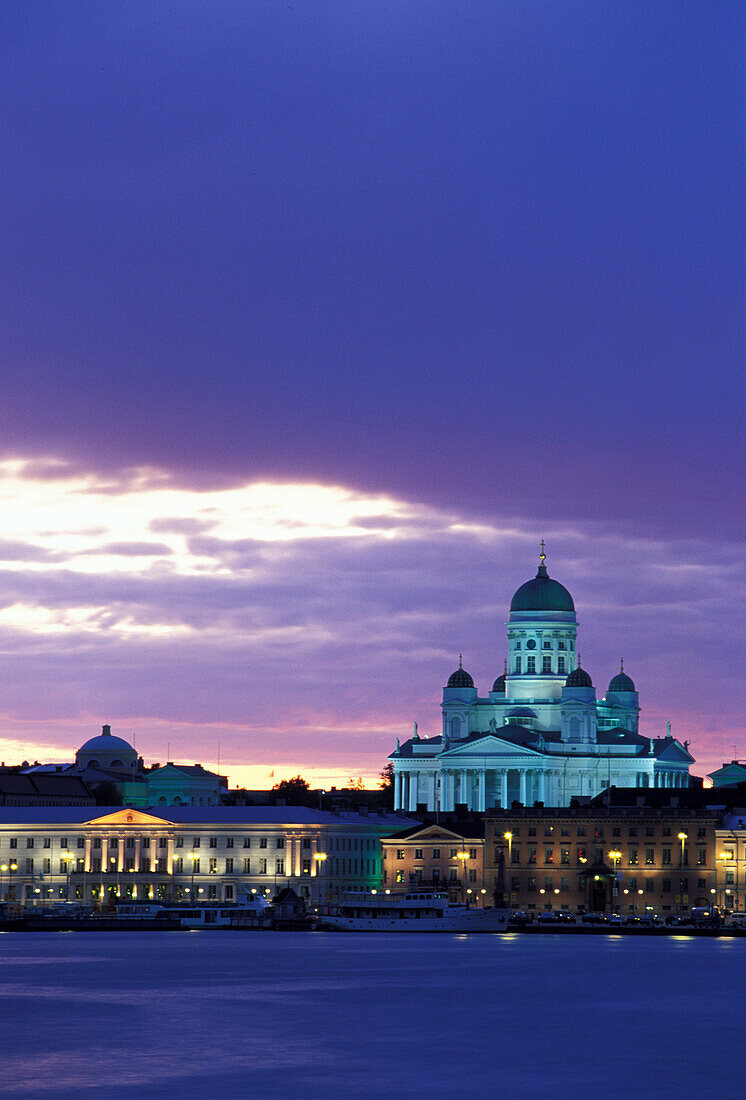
{"x":542,"y":594}
{"x":579,"y":678}
{"x":460,"y":679}
{"x":622,"y":682}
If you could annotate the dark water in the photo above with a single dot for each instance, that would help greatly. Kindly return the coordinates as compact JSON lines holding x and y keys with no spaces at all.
{"x":341,"y":1015}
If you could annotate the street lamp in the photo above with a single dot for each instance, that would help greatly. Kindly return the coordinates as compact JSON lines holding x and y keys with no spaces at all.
{"x":463,"y":855}
{"x":320,"y":859}
{"x":682,"y":838}
{"x":616,"y":857}
{"x":194,"y":857}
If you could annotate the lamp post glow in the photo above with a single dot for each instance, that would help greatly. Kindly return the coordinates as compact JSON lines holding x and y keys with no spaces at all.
{"x":616,"y":857}
{"x":320,"y":859}
{"x":193,"y":856}
{"x":682,"y":838}
{"x":463,"y":855}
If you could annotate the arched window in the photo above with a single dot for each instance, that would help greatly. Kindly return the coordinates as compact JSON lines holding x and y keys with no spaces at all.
{"x":93,"y":764}
{"x":117,"y":764}
{"x":574,"y":729}
{"x":162,"y":800}
{"x":455,"y":728}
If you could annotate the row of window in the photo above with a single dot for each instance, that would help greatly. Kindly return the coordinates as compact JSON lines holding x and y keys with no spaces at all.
{"x":454,"y":853}
{"x":597,"y":831}
{"x":452,"y":876}
{"x":546,"y":644}
{"x":162,"y":842}
{"x":546,"y":665}
{"x":649,"y":885}
{"x":601,"y":856}
{"x":160,"y":866}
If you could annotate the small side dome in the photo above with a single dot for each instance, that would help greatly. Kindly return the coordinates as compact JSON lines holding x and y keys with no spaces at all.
{"x":460,"y":679}
{"x":579,"y":678}
{"x":622,"y":682}
{"x":499,"y":684}
{"x":520,"y":712}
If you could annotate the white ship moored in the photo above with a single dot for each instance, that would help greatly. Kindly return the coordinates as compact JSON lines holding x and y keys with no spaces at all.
{"x":363,"y":912}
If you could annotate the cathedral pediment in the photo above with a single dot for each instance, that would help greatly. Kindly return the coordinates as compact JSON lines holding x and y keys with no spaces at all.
{"x":492,"y":745}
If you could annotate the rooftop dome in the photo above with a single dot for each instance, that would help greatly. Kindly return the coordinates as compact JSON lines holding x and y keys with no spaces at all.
{"x":106,"y":750}
{"x":499,"y":684}
{"x":460,"y":678}
{"x":520,"y":712}
{"x":579,"y":678}
{"x":542,"y":593}
{"x":622,"y":682}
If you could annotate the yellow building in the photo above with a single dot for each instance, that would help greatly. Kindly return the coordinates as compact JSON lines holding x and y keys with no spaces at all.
{"x":626,"y":859}
{"x":437,"y":857}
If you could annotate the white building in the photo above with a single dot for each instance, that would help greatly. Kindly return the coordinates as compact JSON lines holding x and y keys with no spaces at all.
{"x":540,"y":734}
{"x":80,"y":853}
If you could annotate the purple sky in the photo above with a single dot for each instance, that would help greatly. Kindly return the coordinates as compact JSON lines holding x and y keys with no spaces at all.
{"x":450,"y":278}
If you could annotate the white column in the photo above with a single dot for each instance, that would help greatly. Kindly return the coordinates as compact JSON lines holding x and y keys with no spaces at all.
{"x":465,"y":788}
{"x":397,"y":790}
{"x":523,"y":786}
{"x":481,"y":790}
{"x":413,"y":785}
{"x":405,"y":790}
{"x":504,"y":789}
{"x":541,"y":787}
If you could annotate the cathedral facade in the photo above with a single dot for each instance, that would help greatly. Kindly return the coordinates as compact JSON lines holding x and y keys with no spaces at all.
{"x":541,"y":734}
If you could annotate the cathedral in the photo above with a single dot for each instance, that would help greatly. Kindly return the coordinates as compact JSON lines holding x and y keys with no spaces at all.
{"x":540,"y":735}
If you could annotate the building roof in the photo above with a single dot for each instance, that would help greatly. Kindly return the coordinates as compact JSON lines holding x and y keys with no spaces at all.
{"x":528,"y":737}
{"x":542,"y":593}
{"x":39,"y":786}
{"x":466,"y":828}
{"x":460,"y":679}
{"x":205,"y":815}
{"x":579,"y":678}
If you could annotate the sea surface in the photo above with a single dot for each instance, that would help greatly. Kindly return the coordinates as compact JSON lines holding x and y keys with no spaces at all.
{"x":263,"y":1014}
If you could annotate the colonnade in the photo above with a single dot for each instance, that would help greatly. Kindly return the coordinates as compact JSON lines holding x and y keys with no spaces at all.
{"x":469,"y":787}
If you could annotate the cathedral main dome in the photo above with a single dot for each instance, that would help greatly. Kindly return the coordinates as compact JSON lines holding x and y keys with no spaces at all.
{"x":542,"y":594}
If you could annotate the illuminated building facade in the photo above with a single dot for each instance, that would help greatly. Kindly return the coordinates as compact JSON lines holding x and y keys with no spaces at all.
{"x":618,"y":858}
{"x":540,"y":734}
{"x":438,"y":857}
{"x":49,"y":854}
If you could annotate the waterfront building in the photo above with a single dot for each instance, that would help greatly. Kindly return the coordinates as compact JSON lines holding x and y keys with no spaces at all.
{"x":434,"y":856}
{"x":184,"y":853}
{"x":730,"y":867}
{"x":540,"y":733}
{"x":628,"y":858}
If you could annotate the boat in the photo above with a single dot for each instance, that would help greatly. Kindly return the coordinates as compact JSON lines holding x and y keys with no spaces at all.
{"x":360,"y":911}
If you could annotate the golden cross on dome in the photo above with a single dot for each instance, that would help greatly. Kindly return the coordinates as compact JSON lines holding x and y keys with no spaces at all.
{"x":542,"y":555}
{"x":460,"y":659}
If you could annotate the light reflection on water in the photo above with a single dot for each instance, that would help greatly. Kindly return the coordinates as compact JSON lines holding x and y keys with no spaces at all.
{"x":325,"y":1015}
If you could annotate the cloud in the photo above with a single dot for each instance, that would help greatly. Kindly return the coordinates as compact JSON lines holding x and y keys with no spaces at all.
{"x":300,"y":628}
